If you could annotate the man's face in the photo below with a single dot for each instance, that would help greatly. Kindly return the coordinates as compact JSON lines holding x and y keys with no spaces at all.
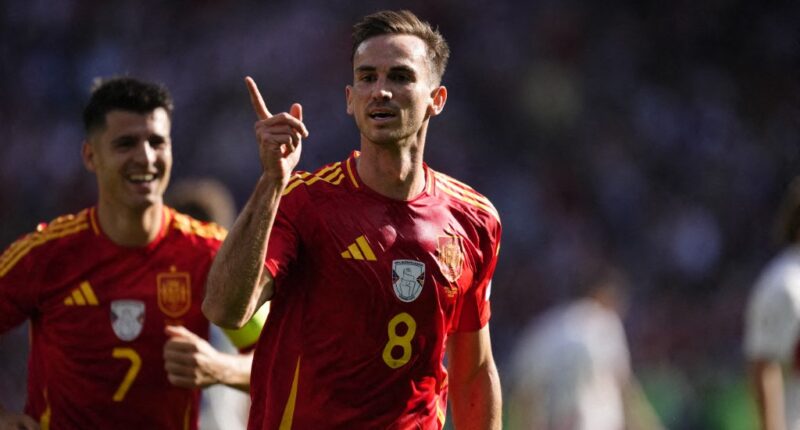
{"x":132,"y":158}
{"x":394,"y":91}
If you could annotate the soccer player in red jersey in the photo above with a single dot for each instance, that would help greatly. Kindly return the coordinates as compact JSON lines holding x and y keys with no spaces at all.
{"x":113,"y":292}
{"x":376,"y":266}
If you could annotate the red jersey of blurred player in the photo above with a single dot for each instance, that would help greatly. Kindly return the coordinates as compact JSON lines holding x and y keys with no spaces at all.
{"x":98,"y":312}
{"x":412,"y":271}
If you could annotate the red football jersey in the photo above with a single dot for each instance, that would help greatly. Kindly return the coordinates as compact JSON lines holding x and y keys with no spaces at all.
{"x":367,"y":290}
{"x":98,"y":312}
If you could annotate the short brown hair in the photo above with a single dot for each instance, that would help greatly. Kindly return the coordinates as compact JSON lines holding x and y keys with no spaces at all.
{"x":404,"y":22}
{"x":123,"y":93}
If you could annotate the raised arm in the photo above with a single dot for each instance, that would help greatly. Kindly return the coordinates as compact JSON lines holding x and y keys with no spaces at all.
{"x":474,"y":382}
{"x":237,"y":283}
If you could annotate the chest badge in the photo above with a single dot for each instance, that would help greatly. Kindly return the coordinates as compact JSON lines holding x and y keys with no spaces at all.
{"x":408,"y":277}
{"x":174,"y":293}
{"x":127,"y":318}
{"x":450,"y":255}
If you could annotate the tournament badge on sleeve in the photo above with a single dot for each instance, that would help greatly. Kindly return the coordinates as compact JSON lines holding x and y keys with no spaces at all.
{"x":174,"y":293}
{"x":127,"y":318}
{"x":408,"y":277}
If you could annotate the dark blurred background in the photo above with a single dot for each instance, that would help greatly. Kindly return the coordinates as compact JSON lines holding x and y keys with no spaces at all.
{"x":655,"y":135}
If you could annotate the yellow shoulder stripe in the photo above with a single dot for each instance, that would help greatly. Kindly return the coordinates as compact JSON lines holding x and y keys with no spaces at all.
{"x":297,"y":179}
{"x":460,"y":187}
{"x":62,"y":226}
{"x":192,"y":226}
{"x":350,"y":173}
{"x":331,"y":174}
{"x":462,"y":192}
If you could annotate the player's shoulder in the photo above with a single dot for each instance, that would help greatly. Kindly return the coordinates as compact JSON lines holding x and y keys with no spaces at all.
{"x":323,"y":180}
{"x":63,"y":229}
{"x":463,"y":196}
{"x":194,"y":228}
{"x":781,"y":271}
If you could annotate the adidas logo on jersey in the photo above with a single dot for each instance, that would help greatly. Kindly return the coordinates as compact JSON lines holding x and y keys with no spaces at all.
{"x":82,"y":296}
{"x":359,"y":250}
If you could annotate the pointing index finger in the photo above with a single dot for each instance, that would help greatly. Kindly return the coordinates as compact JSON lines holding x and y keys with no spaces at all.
{"x":256,"y":99}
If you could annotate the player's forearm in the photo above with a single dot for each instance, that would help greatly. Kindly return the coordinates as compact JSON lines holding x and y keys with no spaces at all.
{"x":767,"y":382}
{"x":476,"y":402}
{"x":236,"y":373}
{"x":16,"y":421}
{"x":235,"y":283}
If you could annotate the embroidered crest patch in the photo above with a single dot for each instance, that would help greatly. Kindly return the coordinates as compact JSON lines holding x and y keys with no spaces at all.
{"x":127,"y":318}
{"x":408,"y":277}
{"x":450,"y":255}
{"x":174,"y":293}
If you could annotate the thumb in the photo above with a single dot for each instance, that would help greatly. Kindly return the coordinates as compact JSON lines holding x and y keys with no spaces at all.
{"x":178,"y":331}
{"x":297,"y":111}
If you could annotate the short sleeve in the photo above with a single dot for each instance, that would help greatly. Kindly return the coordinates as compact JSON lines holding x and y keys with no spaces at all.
{"x":284,"y":240}
{"x":772,"y":319}
{"x":476,"y":306}
{"x":17,"y":288}
{"x":614,"y":346}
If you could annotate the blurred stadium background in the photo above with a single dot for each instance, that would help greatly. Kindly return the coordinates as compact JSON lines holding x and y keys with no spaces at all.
{"x":658,"y":135}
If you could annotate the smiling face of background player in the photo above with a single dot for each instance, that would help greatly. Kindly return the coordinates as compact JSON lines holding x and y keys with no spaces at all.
{"x":131,"y":157}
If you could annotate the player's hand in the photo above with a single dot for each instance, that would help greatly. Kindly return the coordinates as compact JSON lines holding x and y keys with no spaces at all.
{"x":189,"y":360}
{"x":279,"y":136}
{"x":15,"y":421}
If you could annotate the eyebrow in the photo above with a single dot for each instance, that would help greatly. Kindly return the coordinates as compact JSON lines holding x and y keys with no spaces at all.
{"x":135,"y":136}
{"x":363,"y":69}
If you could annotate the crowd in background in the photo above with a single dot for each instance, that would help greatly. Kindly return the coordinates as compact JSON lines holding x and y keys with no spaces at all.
{"x":655,"y":136}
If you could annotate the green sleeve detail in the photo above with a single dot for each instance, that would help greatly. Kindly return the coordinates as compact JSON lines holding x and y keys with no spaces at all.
{"x":248,"y":334}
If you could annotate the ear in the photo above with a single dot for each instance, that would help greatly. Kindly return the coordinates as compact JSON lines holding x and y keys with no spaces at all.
{"x":438,"y":99}
{"x":87,"y":154}
{"x":348,"y":90}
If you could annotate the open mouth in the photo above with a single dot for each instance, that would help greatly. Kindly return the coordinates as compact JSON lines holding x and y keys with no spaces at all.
{"x":380,"y":115}
{"x":141,"y":178}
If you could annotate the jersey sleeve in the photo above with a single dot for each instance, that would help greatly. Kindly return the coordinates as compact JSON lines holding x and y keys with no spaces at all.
{"x":616,"y":348}
{"x":476,"y":306}
{"x":17,"y":285}
{"x":772,"y":320}
{"x":284,"y":239}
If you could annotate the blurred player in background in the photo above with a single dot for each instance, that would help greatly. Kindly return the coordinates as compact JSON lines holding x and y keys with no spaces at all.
{"x":113,"y":292}
{"x":206,"y":199}
{"x":772,"y":326}
{"x":374,"y":266}
{"x":571,"y":368}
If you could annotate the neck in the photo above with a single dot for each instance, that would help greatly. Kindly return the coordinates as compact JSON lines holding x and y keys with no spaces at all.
{"x":130,"y":227}
{"x":395,"y":172}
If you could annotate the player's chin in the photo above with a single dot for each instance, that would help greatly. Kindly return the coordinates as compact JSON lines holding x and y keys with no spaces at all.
{"x":385,"y":137}
{"x":145,"y":201}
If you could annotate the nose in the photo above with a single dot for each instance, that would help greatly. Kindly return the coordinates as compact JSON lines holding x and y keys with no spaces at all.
{"x":380,"y":90}
{"x":145,"y":153}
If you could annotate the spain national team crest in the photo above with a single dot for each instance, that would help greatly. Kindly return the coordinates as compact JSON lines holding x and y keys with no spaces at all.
{"x":408,"y":277}
{"x":174,"y":293}
{"x":450,"y":254}
{"x":127,"y":318}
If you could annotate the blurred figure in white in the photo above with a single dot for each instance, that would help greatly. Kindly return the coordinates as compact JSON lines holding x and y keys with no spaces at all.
{"x":772,"y":326}
{"x":571,"y":368}
{"x":222,"y":407}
